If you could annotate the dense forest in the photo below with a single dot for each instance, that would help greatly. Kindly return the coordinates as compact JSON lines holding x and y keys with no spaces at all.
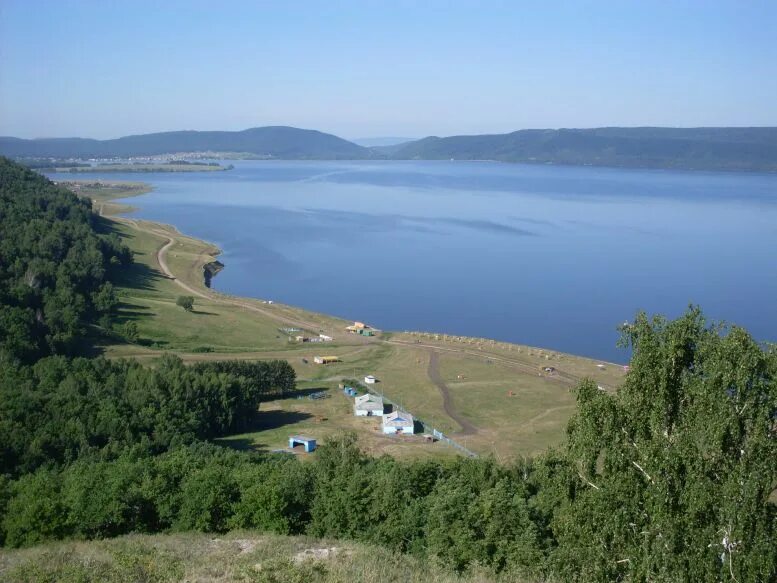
{"x":669,"y":479}
{"x":61,"y":409}
{"x":54,"y":266}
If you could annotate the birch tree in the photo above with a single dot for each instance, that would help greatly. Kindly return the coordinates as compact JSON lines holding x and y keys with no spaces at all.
{"x":676,"y":470}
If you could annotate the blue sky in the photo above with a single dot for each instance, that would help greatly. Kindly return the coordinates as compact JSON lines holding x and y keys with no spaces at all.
{"x":364,"y":68}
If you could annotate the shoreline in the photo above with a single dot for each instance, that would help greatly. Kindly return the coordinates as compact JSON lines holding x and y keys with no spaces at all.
{"x":119,"y":210}
{"x":452,"y":383}
{"x":137,"y":168}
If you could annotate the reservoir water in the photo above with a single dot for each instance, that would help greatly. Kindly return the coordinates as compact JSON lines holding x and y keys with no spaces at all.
{"x":549,"y":256}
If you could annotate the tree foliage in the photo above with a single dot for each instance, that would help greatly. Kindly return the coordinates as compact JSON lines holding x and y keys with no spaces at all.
{"x":54,"y":266}
{"x":676,"y":469}
{"x":668,"y":479}
{"x":61,"y":409}
{"x":185,"y":302}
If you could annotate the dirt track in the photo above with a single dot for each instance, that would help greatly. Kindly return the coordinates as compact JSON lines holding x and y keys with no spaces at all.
{"x":447,"y":402}
{"x":558,"y":376}
{"x":433,"y":371}
{"x":211,"y":296}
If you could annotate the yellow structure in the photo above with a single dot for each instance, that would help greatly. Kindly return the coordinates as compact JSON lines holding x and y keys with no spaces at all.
{"x":325,"y":359}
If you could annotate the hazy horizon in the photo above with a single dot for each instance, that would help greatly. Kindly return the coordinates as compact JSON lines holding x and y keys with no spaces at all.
{"x":89,"y":69}
{"x":359,"y":139}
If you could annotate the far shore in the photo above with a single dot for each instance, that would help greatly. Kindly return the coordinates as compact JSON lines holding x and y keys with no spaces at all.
{"x":141,"y":168}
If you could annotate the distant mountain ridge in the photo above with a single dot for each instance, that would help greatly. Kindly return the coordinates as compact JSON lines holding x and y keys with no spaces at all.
{"x":272,"y":141}
{"x":646,"y":147}
{"x":736,"y":148}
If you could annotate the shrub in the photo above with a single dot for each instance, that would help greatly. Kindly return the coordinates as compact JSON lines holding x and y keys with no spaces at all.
{"x":185,"y":302}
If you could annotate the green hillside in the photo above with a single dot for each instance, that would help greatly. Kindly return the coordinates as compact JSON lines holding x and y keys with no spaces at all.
{"x":692,"y":148}
{"x":272,"y":141}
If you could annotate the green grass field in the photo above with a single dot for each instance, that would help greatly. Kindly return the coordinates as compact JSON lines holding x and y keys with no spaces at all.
{"x":499,"y":389}
{"x":511,"y":410}
{"x":148,"y":298}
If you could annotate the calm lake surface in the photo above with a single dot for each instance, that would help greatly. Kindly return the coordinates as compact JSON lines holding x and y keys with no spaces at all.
{"x":555,"y":257}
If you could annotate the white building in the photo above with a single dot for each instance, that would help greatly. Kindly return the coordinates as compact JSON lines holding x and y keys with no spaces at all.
{"x":370,"y":380}
{"x":398,"y":422}
{"x":368,"y":406}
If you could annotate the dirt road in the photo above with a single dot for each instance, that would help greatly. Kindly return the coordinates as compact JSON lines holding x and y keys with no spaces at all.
{"x":467,"y":428}
{"x":161,"y":259}
{"x":447,"y":402}
{"x":558,"y":375}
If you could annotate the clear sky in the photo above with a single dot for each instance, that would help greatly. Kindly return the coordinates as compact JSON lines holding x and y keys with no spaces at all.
{"x":364,"y":68}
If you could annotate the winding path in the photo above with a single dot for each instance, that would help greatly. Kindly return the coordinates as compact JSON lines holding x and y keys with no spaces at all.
{"x":434,"y":366}
{"x":433,"y":371}
{"x":211,"y":296}
{"x":447,"y":402}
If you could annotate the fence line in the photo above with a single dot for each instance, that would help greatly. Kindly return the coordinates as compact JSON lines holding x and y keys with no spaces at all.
{"x":442,"y":437}
{"x":428,"y":427}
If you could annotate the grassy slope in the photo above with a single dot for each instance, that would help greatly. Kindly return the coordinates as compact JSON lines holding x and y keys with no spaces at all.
{"x":480,"y":374}
{"x":236,"y":557}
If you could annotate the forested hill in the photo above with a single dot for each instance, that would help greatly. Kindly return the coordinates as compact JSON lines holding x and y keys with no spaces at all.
{"x":54,"y":266}
{"x":751,"y":149}
{"x":276,"y":141}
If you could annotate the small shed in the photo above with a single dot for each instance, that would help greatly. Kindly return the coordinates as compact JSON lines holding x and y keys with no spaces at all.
{"x":365,"y":332}
{"x":325,"y":359}
{"x":308,"y":442}
{"x":356,"y":327}
{"x":370,"y":380}
{"x":368,"y":405}
{"x":398,"y":422}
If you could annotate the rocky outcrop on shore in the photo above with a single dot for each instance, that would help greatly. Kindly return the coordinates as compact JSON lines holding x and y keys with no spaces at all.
{"x":210,"y":270}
